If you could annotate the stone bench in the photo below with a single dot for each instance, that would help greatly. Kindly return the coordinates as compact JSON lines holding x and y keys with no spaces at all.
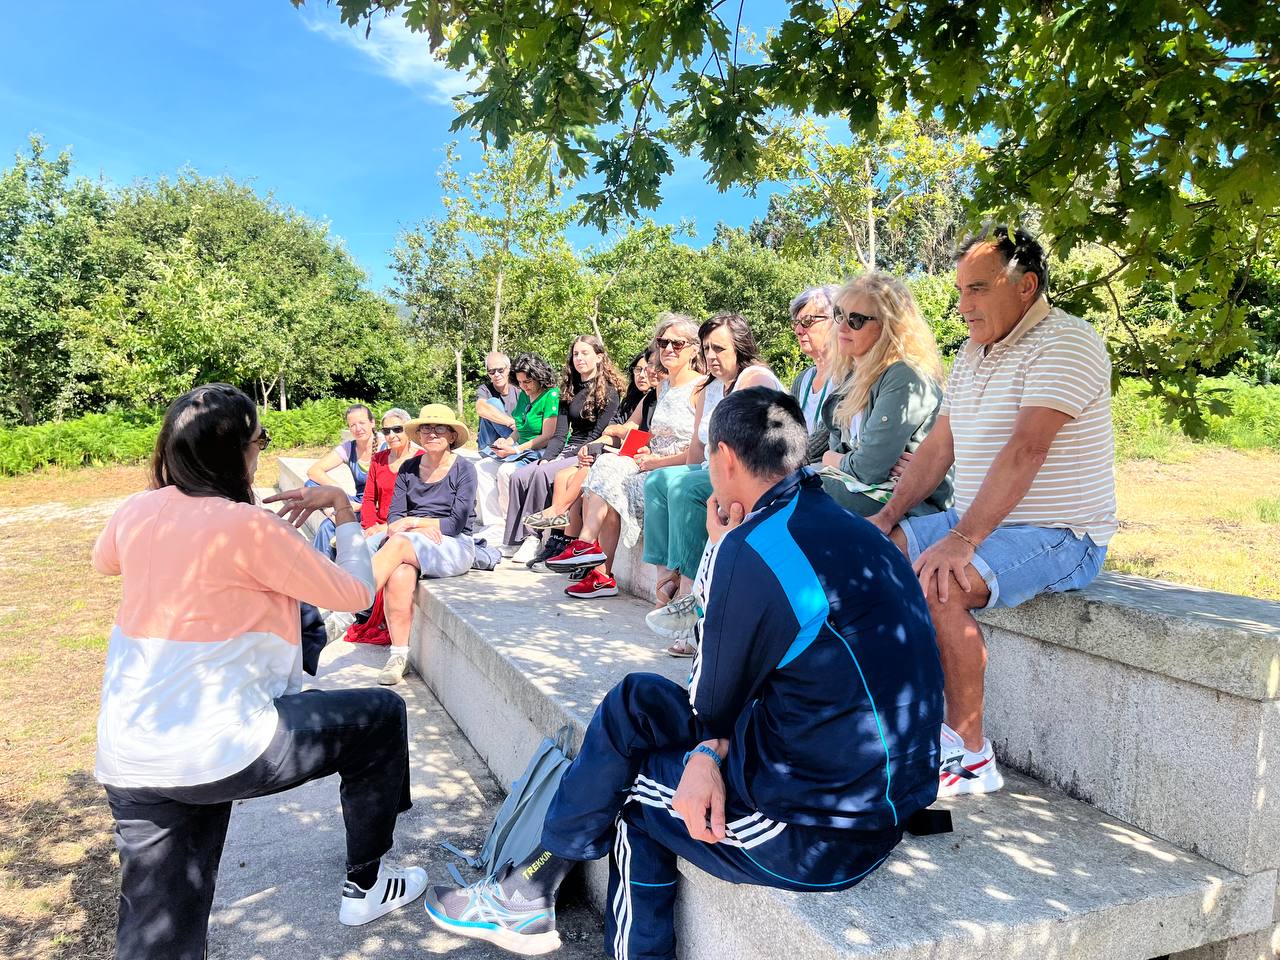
{"x":1029,"y":872}
{"x":1154,"y":703}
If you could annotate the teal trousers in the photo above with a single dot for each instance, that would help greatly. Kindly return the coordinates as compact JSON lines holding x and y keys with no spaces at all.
{"x":675,"y":517}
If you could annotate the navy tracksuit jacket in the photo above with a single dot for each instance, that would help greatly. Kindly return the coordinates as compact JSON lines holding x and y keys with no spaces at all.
{"x":818,"y":662}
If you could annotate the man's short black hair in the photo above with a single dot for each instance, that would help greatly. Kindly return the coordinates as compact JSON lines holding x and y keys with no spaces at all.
{"x":765,"y":428}
{"x":1016,"y":247}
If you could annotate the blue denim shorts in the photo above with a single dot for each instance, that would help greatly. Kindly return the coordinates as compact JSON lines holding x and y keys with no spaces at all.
{"x":1019,"y":561}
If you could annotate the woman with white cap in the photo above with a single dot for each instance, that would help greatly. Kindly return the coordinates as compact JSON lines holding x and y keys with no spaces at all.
{"x":429,"y":526}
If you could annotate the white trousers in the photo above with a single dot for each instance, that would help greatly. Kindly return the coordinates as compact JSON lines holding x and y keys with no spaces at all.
{"x":493,"y":495}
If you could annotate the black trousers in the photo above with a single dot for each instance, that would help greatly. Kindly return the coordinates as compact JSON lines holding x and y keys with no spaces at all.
{"x":170,"y":838}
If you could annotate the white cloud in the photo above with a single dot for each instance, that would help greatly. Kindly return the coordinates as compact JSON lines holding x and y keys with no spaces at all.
{"x":397,"y":53}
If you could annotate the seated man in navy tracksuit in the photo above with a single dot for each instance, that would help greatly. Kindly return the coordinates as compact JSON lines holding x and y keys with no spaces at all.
{"x":807,"y":737}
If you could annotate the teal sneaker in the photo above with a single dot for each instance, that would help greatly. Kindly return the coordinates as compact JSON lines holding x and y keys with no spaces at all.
{"x":484,"y":911}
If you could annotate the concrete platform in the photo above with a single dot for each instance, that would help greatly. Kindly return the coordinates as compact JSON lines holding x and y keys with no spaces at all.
{"x":282,"y":867}
{"x":1029,"y":872}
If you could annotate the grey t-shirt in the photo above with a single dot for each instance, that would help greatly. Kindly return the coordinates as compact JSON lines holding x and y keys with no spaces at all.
{"x":486,"y":392}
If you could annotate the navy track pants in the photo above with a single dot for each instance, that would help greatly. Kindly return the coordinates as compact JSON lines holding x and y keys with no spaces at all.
{"x":616,"y":798}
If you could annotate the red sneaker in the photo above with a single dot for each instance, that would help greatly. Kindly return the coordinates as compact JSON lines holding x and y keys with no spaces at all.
{"x":594,"y":584}
{"x":580,"y":553}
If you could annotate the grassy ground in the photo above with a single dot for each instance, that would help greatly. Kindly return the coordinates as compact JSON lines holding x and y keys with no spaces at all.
{"x":1198,"y":515}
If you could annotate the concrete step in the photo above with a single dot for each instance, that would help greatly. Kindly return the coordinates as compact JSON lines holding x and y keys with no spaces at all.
{"x":1029,"y":872}
{"x":282,"y":867}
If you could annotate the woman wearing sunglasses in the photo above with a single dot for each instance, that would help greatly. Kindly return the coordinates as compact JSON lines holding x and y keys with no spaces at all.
{"x":202,"y":701}
{"x":613,"y":504}
{"x":889,"y":392}
{"x":811,"y":323}
{"x":356,"y":455}
{"x":675,"y":498}
{"x":381,"y":485}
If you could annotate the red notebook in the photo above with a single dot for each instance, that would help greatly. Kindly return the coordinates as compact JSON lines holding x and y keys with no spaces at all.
{"x":635,"y":440}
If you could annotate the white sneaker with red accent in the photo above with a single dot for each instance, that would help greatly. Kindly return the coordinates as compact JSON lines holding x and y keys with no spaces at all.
{"x":963,"y":771}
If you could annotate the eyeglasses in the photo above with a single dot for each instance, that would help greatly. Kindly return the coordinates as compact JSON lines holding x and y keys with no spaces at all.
{"x":263,"y":439}
{"x":807,"y":320}
{"x":494,"y":371}
{"x":439,"y":429}
{"x":388,"y":431}
{"x":677,"y":345}
{"x":851,"y":318}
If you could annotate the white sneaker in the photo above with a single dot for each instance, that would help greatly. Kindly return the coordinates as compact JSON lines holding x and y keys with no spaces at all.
{"x":393,"y":672}
{"x":528,"y":550}
{"x":676,"y":620}
{"x":962,"y":771}
{"x":394,"y":887}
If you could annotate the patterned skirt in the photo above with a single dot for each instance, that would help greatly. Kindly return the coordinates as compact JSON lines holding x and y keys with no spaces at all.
{"x":619,"y":483}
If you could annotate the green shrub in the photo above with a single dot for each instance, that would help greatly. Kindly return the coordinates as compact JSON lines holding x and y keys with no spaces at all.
{"x":128,"y":436}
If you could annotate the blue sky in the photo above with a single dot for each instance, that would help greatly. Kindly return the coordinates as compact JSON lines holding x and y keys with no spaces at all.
{"x":345,"y":129}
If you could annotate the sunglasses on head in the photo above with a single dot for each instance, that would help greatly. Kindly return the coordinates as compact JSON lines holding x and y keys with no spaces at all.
{"x":807,"y":320}
{"x":850,"y":318}
{"x":263,"y":440}
{"x":388,"y":431}
{"x":677,"y":344}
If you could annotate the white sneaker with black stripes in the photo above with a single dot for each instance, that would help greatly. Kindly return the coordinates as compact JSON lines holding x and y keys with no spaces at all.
{"x":394,"y":887}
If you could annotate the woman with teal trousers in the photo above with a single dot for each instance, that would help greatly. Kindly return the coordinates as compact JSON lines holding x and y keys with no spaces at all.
{"x":675,"y":498}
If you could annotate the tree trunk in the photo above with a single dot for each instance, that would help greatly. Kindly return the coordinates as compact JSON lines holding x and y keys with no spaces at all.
{"x":871,"y":221}
{"x":595,"y":319}
{"x":284,"y":399}
{"x":497,"y":310}
{"x":457,"y":362}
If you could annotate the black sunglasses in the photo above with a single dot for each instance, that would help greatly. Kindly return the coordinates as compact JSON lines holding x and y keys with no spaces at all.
{"x":807,"y":320}
{"x":676,"y":345}
{"x":388,"y":431}
{"x":263,"y":440}
{"x":851,"y":318}
{"x":494,"y":371}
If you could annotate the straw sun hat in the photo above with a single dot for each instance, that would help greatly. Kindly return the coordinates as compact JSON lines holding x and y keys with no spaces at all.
{"x":439,"y":413}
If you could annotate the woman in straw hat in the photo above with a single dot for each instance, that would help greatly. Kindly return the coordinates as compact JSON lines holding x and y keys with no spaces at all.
{"x":429,"y":526}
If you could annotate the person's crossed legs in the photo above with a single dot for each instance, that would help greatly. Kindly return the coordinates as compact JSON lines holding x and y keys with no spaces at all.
{"x":616,"y":798}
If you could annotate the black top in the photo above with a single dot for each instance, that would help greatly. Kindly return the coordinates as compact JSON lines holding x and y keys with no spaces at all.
{"x":451,"y":500}
{"x":573,"y":428}
{"x":648,"y":402}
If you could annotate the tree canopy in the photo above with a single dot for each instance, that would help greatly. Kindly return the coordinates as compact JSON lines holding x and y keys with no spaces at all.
{"x":1149,"y":127}
{"x":130,"y":297}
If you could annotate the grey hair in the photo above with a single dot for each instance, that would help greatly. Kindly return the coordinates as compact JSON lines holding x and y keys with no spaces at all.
{"x":765,"y":428}
{"x":397,"y":412}
{"x":826,"y":291}
{"x":668,"y":320}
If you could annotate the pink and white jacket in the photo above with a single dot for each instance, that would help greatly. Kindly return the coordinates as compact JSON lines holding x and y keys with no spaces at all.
{"x":208,"y":632}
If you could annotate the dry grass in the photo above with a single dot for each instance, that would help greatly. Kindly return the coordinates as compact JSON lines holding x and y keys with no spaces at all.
{"x":1213,"y":520}
{"x":58,"y":868}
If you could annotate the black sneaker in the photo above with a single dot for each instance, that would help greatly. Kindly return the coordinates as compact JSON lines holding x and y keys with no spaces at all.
{"x":553,"y":544}
{"x":484,"y":911}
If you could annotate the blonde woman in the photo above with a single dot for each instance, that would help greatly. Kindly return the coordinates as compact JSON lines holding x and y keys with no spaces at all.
{"x":885,"y":359}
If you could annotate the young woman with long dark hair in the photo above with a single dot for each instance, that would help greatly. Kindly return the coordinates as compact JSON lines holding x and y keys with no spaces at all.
{"x":589,"y":397}
{"x":200,"y":702}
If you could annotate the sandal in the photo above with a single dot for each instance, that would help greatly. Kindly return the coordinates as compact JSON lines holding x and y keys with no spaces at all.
{"x":681,"y":648}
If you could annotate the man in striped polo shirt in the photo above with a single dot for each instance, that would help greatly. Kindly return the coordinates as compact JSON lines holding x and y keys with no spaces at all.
{"x":1026,"y":422}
